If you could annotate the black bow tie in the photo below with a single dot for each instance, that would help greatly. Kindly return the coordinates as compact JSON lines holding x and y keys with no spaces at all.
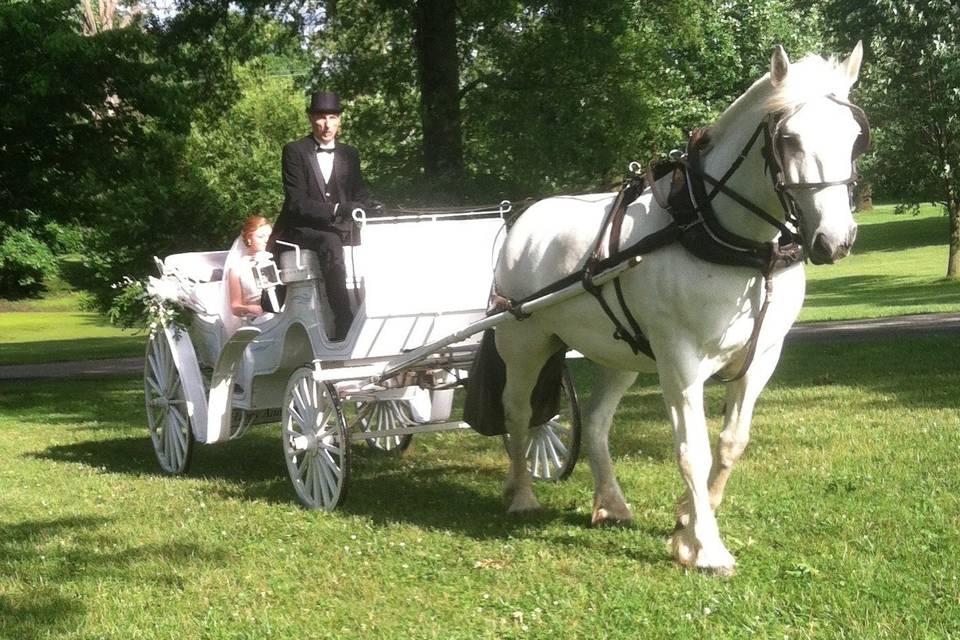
{"x":322,"y":150}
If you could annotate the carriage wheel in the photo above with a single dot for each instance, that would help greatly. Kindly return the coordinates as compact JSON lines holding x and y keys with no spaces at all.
{"x":373,"y":417}
{"x":166,"y":404}
{"x":554,"y":446}
{"x":315,"y":443}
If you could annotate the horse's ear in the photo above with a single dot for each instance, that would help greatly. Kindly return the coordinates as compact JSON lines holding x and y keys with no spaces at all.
{"x":852,"y":63}
{"x":779,"y":65}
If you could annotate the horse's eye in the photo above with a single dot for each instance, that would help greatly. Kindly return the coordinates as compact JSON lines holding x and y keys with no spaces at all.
{"x":790,"y":140}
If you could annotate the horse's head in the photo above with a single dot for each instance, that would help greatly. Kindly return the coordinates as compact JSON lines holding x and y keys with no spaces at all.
{"x":812,"y":145}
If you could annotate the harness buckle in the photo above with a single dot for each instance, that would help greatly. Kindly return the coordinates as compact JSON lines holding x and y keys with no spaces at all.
{"x":690,"y":225}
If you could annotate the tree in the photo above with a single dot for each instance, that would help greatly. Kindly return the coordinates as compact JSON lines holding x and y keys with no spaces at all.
{"x":103,"y":15}
{"x":438,"y":72}
{"x":541,"y":97}
{"x":911,"y":89}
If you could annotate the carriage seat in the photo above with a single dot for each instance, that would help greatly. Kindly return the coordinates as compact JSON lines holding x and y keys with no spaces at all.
{"x":196,"y":277}
{"x":199,"y":266}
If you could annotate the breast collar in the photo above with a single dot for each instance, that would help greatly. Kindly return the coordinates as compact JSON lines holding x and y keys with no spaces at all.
{"x":701,"y":232}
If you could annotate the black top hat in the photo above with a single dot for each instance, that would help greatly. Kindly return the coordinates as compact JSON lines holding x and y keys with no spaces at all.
{"x":324,"y":102}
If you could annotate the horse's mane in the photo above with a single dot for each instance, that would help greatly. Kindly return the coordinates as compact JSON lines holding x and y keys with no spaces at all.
{"x":808,"y":78}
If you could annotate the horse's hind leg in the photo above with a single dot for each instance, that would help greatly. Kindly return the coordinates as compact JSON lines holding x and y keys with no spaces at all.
{"x":524,"y":351}
{"x":609,"y":507}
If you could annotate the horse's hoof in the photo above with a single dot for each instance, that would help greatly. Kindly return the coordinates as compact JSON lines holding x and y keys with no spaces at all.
{"x":523,"y":504}
{"x":522,"y":511}
{"x":610,"y":518}
{"x":719,"y":572}
{"x":713,"y":559}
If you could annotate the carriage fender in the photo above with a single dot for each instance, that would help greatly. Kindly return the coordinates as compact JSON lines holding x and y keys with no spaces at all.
{"x":191,"y":380}
{"x":221,"y":385}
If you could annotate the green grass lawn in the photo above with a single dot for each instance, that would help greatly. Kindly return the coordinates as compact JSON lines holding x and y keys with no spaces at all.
{"x":897,"y":267}
{"x":31,"y":337}
{"x":843,"y":515}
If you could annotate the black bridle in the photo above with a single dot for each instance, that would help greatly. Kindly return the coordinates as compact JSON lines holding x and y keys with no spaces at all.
{"x":773,"y":153}
{"x":773,"y":141}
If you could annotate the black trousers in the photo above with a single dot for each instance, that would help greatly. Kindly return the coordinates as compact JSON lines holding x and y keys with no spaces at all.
{"x":329,"y":250}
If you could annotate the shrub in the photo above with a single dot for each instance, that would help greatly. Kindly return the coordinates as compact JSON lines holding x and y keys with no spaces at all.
{"x":25,"y":262}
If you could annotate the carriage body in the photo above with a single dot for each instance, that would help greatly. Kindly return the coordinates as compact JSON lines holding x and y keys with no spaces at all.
{"x":414,"y":280}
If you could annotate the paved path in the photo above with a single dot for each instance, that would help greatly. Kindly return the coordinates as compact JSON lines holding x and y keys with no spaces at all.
{"x":852,"y":330}
{"x":86,"y":368}
{"x":843,"y":331}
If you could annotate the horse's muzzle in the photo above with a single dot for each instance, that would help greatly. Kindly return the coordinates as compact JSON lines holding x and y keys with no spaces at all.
{"x":824,"y":251}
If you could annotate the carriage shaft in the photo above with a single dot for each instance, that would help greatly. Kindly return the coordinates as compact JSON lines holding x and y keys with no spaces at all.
{"x":406,"y":360}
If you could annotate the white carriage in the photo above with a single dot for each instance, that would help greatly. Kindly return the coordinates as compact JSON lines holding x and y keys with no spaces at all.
{"x":420,"y":285}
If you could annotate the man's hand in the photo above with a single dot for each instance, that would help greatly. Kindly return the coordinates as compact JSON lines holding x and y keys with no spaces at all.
{"x":347,"y":208}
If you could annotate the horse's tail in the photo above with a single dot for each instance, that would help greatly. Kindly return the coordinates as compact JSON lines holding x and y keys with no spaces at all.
{"x":483,"y":406}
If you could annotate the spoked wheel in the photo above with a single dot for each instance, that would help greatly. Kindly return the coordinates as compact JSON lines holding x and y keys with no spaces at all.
{"x":315,"y":443}
{"x":166,"y":404}
{"x":554,"y":446}
{"x":377,"y":416}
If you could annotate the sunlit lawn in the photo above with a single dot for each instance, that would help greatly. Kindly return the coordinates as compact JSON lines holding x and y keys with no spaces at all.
{"x":897,"y":267}
{"x":844,"y":516}
{"x":30,"y":337}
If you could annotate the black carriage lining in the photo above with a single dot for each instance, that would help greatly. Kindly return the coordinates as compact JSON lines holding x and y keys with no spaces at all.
{"x":483,"y":406}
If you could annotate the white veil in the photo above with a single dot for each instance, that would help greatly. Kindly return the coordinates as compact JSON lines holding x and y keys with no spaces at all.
{"x":234,"y":261}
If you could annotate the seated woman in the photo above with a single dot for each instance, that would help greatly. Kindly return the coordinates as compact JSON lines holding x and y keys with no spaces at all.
{"x":241,"y":293}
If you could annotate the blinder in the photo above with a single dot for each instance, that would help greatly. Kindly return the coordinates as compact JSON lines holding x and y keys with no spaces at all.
{"x":774,"y":141}
{"x":773,"y":152}
{"x":862,"y":143}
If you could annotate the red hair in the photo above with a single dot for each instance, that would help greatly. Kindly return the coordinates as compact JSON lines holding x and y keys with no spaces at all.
{"x":250,"y":226}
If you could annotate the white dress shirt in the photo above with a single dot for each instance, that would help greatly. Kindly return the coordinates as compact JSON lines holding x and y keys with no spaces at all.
{"x":325,"y":159}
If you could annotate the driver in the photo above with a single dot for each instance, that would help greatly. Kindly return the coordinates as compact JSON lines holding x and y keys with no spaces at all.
{"x":322,"y":185}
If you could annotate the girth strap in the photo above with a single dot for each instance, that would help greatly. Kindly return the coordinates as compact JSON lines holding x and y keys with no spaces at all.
{"x":633,"y":336}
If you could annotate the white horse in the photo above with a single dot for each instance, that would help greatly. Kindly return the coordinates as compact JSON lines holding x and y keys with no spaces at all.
{"x":697,"y":316}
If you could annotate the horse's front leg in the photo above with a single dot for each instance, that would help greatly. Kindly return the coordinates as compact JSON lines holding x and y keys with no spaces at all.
{"x":609,"y":506}
{"x":741,"y":398}
{"x":698,"y":543}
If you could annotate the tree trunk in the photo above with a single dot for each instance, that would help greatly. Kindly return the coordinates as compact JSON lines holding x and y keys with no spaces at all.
{"x":952,"y":191}
{"x":438,"y":65}
{"x":953,"y":261}
{"x":863,"y":196}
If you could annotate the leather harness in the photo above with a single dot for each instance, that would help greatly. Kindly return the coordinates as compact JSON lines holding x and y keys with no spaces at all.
{"x":696,"y":227}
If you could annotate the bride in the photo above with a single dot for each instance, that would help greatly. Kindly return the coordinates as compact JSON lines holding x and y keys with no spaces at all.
{"x":241,"y":293}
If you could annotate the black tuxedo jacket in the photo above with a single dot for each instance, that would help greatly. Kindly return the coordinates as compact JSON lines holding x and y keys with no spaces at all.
{"x":308,"y":201}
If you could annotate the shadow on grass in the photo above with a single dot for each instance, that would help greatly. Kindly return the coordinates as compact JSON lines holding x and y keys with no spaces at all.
{"x":879,"y":291}
{"x":38,"y":608}
{"x":917,"y":371}
{"x":434,"y":495}
{"x":905,"y":232}
{"x":72,"y":349}
{"x":384,"y":488}
{"x":95,"y":404}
